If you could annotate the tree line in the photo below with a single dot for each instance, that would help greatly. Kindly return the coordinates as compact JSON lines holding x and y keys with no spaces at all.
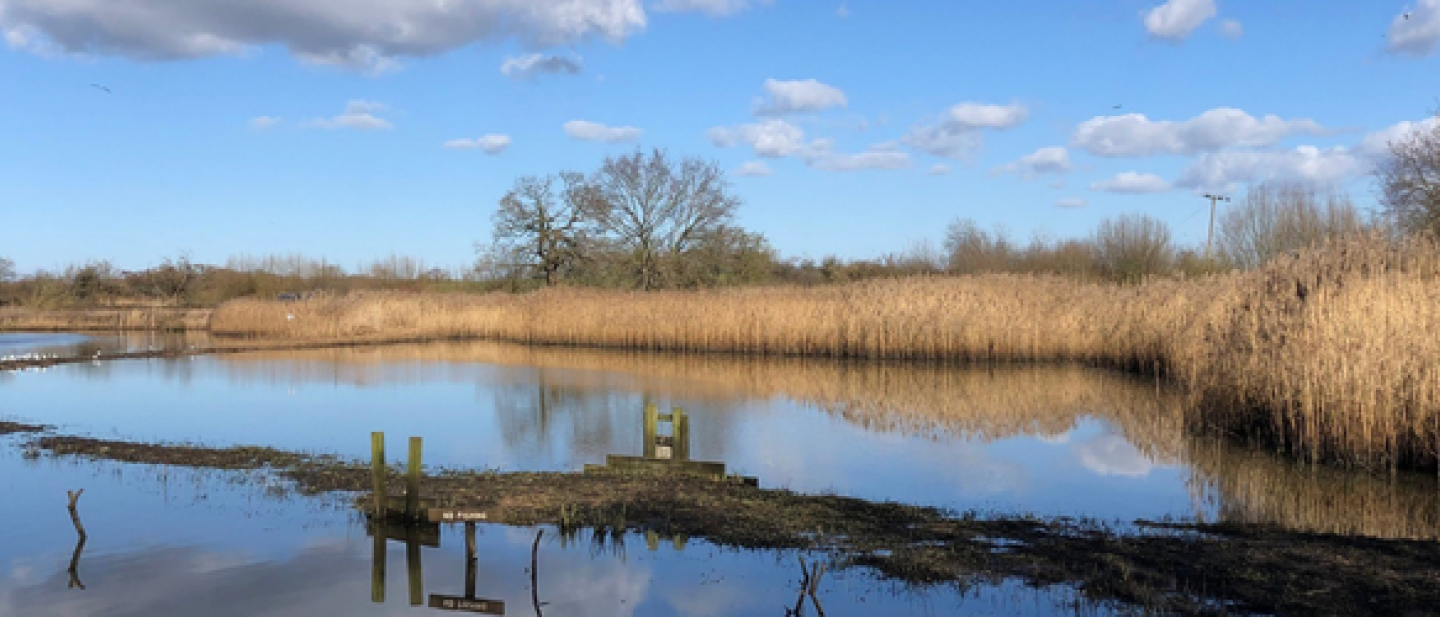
{"x":647,"y":220}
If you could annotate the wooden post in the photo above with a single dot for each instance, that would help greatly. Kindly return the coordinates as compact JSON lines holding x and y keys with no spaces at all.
{"x":680,"y":434}
{"x":652,"y":423}
{"x":412,"y":483}
{"x":377,"y":472}
{"x":469,"y":559}
{"x":412,"y":565}
{"x":377,"y":564}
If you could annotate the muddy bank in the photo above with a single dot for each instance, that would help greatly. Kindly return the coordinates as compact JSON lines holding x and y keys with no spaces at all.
{"x":227,"y":346}
{"x":10,"y":428}
{"x":106,"y":319}
{"x":1173,"y":568}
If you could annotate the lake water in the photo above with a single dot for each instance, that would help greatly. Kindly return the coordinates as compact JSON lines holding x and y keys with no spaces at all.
{"x":163,"y":541}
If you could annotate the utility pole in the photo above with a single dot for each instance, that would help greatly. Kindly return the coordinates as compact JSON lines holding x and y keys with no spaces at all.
{"x":1209,"y":237}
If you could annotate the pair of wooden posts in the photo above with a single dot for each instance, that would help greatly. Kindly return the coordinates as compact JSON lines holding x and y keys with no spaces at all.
{"x":383,"y":509}
{"x":677,"y":446}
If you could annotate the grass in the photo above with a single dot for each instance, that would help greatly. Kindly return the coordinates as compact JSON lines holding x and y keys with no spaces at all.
{"x":1320,"y":354}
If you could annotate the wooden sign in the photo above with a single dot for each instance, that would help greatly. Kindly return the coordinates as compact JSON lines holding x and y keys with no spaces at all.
{"x":454,"y":515}
{"x":470,"y":605}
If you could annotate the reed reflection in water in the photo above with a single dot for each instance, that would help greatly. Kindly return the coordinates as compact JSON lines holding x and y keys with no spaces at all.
{"x":980,"y":404}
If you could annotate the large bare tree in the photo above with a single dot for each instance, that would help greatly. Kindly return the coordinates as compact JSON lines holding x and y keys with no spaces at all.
{"x":7,"y":269}
{"x":658,"y":208}
{"x":1278,"y":218}
{"x":1409,"y":179}
{"x":546,"y":223}
{"x":1133,"y":246}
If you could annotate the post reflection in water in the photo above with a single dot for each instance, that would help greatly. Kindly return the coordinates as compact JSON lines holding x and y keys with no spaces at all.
{"x":422,"y":535}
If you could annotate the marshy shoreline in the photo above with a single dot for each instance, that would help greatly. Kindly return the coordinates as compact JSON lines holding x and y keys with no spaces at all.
{"x":1183,"y":568}
{"x":1318,"y":355}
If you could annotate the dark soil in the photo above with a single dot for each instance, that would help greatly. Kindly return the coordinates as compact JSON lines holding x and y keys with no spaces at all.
{"x":9,"y":428}
{"x":1165,"y":567}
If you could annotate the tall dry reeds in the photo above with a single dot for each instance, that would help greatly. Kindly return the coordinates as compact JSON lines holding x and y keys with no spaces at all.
{"x":1325,"y":353}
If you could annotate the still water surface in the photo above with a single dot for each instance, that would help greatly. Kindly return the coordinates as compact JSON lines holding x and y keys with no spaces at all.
{"x":1048,"y":440}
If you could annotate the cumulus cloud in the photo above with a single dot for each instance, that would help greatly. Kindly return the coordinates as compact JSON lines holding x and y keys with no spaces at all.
{"x":490,"y":144}
{"x":363,"y":34}
{"x":938,"y":169}
{"x":1417,"y":31}
{"x":1132,"y":183}
{"x":800,"y":96}
{"x":1216,"y":129}
{"x":532,"y":65}
{"x":1305,"y":165}
{"x":718,"y":8}
{"x":1377,"y":144}
{"x":753,"y":168}
{"x":264,"y":122}
{"x":594,"y":131}
{"x":1176,"y":19}
{"x":1051,"y":160}
{"x":957,"y":134}
{"x":1070,"y":202}
{"x":770,"y":139}
{"x":357,"y":115}
{"x":1231,"y":29}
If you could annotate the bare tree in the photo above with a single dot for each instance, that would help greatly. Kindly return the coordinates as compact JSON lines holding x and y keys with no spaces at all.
{"x":658,"y":208}
{"x":7,"y":270}
{"x":1277,"y":218}
{"x":1409,"y":179}
{"x":970,"y":249}
{"x":546,"y":228}
{"x":1133,"y":246}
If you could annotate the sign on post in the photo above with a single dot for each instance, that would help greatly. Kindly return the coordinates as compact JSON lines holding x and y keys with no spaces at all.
{"x":471,"y":605}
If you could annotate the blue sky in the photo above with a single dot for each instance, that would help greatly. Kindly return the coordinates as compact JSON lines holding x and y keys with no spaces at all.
{"x":353,"y":129}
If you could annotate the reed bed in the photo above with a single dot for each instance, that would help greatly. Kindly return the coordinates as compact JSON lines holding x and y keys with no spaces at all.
{"x":120,"y":318}
{"x":1323,"y":353}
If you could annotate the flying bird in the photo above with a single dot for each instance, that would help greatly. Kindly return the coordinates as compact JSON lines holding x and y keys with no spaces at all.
{"x":1117,"y":107}
{"x":100,"y":87}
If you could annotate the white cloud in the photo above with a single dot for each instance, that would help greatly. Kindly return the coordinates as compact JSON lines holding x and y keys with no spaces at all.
{"x":264,"y":122}
{"x":843,"y":11}
{"x":1305,"y":164}
{"x":1132,"y":183}
{"x":1176,"y":19}
{"x":1231,"y":29}
{"x":530,"y":66}
{"x":957,"y":134}
{"x":491,"y":144}
{"x":1417,"y":31}
{"x":594,"y":131}
{"x":1222,"y":127}
{"x":357,"y":115}
{"x":1070,"y":202}
{"x":771,"y":138}
{"x":362,"y":34}
{"x":788,"y":97}
{"x":938,"y":169}
{"x":873,"y":159}
{"x":753,"y":168}
{"x":1051,"y":160}
{"x":718,"y":8}
{"x":1377,"y":144}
